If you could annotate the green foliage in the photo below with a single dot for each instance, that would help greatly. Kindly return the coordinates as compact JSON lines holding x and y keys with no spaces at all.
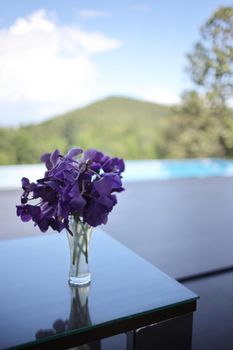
{"x":127,"y":128}
{"x":7,"y":146}
{"x":118,"y":126}
{"x":194,"y":130}
{"x":203,"y":126}
{"x":211,"y":62}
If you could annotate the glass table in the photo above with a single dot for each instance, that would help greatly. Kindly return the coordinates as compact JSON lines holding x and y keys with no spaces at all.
{"x":39,"y":310}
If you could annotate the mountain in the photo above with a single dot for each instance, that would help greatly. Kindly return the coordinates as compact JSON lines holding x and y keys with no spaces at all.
{"x":119,"y":126}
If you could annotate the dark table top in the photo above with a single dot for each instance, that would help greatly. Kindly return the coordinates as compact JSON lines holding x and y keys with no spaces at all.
{"x":38,"y":306}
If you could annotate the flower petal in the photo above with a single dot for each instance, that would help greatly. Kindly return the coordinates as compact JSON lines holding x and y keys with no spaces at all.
{"x":74,"y":152}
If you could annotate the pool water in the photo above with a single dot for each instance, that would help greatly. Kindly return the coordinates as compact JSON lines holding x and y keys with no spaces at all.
{"x":136,"y":170}
{"x":173,"y":169}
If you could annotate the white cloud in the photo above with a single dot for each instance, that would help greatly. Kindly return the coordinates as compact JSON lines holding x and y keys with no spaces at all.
{"x":47,"y":65}
{"x":159,"y":95}
{"x":91,"y":13}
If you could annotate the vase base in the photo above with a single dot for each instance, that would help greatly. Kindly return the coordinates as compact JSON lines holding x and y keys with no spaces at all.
{"x":80,"y":280}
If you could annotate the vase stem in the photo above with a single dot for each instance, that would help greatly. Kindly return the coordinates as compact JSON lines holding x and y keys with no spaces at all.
{"x":79,"y":273}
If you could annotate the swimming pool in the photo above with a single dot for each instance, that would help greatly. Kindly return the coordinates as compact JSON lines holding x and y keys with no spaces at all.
{"x":180,"y":168}
{"x":136,"y":170}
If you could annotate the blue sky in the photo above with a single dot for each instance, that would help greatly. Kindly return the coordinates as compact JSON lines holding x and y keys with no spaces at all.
{"x":59,"y":55}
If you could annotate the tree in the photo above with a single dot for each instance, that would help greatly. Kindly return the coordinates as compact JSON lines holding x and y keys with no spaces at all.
{"x":193,"y":131}
{"x":211,"y":62}
{"x":202,"y":126}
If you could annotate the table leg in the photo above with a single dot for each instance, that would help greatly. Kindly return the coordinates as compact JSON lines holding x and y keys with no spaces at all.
{"x":175,"y":333}
{"x":131,"y":340}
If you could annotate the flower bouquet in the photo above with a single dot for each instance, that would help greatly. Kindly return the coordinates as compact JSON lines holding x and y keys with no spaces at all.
{"x":76,"y":194}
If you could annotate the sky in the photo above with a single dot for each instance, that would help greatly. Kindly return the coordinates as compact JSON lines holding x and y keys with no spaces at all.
{"x":58,"y":55}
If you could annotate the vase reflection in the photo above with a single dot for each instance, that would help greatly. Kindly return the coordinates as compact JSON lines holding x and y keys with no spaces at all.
{"x":79,"y":311}
{"x":79,"y":317}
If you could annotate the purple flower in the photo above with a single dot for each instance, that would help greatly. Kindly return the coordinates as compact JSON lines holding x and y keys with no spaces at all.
{"x":27,"y":188}
{"x":115,"y":165}
{"x":83,"y":187}
{"x":28,"y":212}
{"x":108,"y":183}
{"x":95,"y":156}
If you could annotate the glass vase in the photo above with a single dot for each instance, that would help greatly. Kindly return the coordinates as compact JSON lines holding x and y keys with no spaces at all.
{"x":79,"y":235}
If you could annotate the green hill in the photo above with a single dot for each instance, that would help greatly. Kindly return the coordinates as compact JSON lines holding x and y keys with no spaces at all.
{"x":119,"y":126}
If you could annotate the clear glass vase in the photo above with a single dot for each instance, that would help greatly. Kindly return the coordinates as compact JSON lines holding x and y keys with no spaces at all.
{"x":79,"y":236}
